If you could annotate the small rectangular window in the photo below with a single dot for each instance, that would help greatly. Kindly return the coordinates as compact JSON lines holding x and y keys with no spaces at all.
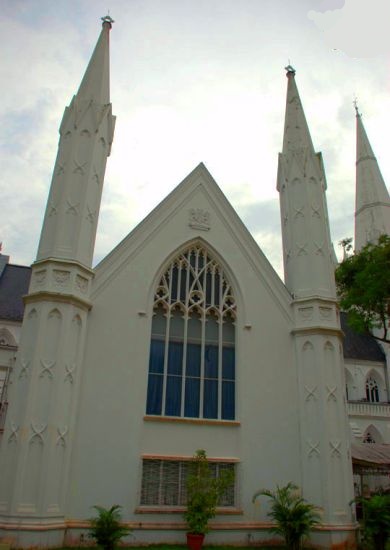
{"x":164,"y":482}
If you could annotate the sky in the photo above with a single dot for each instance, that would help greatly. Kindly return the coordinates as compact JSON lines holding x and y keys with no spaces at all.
{"x":191,"y":81}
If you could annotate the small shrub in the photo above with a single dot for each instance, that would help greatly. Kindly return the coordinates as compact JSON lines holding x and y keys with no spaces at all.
{"x":106,"y":529}
{"x":294,"y":517}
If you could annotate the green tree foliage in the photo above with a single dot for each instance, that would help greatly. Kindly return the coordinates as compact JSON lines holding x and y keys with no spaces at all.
{"x":376,"y":520}
{"x":204,"y":492}
{"x":294,"y":517}
{"x":106,"y":529}
{"x":363,"y":284}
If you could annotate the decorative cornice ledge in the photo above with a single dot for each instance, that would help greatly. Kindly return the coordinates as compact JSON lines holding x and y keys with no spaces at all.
{"x":163,"y":526}
{"x":181,"y":509}
{"x":318,"y":329}
{"x":188,"y":458}
{"x":57,"y":297}
{"x":64,"y":262}
{"x":202,"y":421}
{"x":321,"y":299}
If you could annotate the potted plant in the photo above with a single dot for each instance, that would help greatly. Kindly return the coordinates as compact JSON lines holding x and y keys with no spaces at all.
{"x":293,"y":516}
{"x":106,"y":529}
{"x":204,"y":492}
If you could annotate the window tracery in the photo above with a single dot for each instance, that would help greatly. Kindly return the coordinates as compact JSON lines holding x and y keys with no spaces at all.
{"x":192,"y":353}
{"x":372,"y":390}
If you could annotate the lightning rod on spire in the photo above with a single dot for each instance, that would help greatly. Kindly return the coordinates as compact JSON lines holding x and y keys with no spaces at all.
{"x":356,"y":107}
{"x":290,"y":70}
{"x":108,"y":19}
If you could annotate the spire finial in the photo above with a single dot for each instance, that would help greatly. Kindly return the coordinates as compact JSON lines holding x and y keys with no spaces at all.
{"x":290,"y":70}
{"x":356,"y":107}
{"x":107,"y":19}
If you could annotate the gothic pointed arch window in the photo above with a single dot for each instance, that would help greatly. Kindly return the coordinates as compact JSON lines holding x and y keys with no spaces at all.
{"x":372,"y":390}
{"x":372,"y":435}
{"x":192,"y":351}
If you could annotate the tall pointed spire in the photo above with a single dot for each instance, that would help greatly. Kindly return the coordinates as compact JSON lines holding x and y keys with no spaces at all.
{"x":372,"y":210}
{"x":96,"y":81}
{"x":316,"y":334}
{"x":40,"y":421}
{"x":86,"y":135}
{"x":307,"y":247}
{"x":296,"y":131}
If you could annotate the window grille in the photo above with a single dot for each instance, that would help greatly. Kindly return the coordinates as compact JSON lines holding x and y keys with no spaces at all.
{"x":192,"y":352}
{"x":164,"y":482}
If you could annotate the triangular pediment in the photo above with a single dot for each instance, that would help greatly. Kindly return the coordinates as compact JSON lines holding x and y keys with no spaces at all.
{"x":196,"y":209}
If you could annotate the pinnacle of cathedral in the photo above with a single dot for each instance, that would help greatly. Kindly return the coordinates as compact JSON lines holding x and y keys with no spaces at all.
{"x":86,"y":135}
{"x":307,"y":249}
{"x":96,"y":81}
{"x":296,"y":131}
{"x":372,"y":210}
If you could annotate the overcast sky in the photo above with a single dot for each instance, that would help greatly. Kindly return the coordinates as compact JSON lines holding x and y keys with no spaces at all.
{"x":191,"y":81}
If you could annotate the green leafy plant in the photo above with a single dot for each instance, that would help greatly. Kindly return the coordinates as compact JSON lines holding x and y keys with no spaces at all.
{"x":376,"y":520}
{"x":293,"y":516}
{"x":363,"y":285}
{"x":106,"y":529}
{"x":204,"y":492}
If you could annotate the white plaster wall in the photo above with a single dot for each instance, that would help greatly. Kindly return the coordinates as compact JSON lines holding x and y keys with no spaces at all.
{"x":112,"y":434}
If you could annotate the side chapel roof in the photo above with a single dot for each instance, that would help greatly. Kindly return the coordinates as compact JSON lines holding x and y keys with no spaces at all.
{"x":14,"y":282}
{"x":359,"y":346}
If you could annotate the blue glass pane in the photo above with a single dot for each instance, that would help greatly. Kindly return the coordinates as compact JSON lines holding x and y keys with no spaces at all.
{"x":228,"y":400}
{"x":228,"y":331}
{"x":211,"y":361}
{"x":154,"y":400}
{"x":183,"y":283}
{"x":173,"y":396}
{"x":228,"y":360}
{"x":201,"y":261}
{"x":174,"y":284}
{"x":193,"y":360}
{"x":210,"y":403}
{"x":159,"y":322}
{"x":208,"y":288}
{"x":175,"y":357}
{"x":216,"y":288}
{"x":156,"y":360}
{"x":176,"y":329}
{"x":191,"y":404}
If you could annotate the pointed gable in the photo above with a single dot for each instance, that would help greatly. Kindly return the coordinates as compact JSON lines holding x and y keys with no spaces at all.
{"x":195,"y":209}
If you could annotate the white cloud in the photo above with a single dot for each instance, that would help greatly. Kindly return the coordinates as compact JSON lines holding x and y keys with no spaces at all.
{"x":190,"y":82}
{"x":360,"y":28}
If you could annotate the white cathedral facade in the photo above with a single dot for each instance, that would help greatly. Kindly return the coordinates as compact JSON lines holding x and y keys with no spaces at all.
{"x":183,"y":338}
